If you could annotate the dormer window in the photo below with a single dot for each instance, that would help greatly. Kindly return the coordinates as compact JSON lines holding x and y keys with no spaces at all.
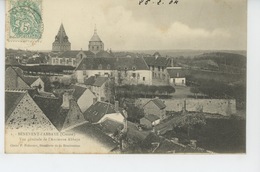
{"x":134,"y":68}
{"x":108,"y":66}
{"x":100,"y":66}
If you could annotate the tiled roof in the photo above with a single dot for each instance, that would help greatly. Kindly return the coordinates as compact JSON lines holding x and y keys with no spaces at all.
{"x":90,"y":80}
{"x":12,"y":98}
{"x":173,"y":73}
{"x":100,"y":81}
{"x":96,"y":111}
{"x":129,"y":63}
{"x":51,"y":107}
{"x":151,"y":117}
{"x":94,"y":132}
{"x":78,"y":91}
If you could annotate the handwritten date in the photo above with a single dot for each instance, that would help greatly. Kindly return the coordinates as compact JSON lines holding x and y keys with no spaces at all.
{"x":158,"y":2}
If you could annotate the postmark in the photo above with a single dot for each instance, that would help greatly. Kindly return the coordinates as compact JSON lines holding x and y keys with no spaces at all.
{"x":25,"y":20}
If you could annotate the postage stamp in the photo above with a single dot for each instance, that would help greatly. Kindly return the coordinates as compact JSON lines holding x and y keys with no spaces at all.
{"x":24,"y":20}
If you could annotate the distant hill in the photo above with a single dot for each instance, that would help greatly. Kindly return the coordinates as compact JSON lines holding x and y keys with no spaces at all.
{"x":187,"y":53}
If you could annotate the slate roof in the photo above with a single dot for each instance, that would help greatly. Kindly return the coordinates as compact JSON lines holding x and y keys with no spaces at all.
{"x":96,"y":111}
{"x":173,"y":73}
{"x":151,"y":117}
{"x":104,"y":54}
{"x":30,"y":79}
{"x":51,"y":107}
{"x":89,"y":53}
{"x":100,"y":81}
{"x":12,"y":99}
{"x":68,"y":54}
{"x":90,"y":80}
{"x":159,"y":61}
{"x":78,"y":91}
{"x":61,"y":35}
{"x":110,"y":127}
{"x":94,"y":132}
{"x":95,"y":37}
{"x":114,"y":63}
{"x":158,"y":103}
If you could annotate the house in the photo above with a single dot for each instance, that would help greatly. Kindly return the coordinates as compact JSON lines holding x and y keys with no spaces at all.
{"x":125,"y":70}
{"x":63,"y":113}
{"x":100,"y":111}
{"x":22,"y":113}
{"x":99,"y":88}
{"x":158,"y":64}
{"x":155,"y":107}
{"x":94,"y":140}
{"x":83,"y":96}
{"x":177,"y":76}
{"x":15,"y":79}
{"x":150,"y":120}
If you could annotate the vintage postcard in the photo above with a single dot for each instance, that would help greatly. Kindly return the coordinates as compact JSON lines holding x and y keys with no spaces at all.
{"x":125,"y":76}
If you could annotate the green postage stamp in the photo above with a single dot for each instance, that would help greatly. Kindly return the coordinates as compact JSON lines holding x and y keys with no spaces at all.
{"x":24,"y":20}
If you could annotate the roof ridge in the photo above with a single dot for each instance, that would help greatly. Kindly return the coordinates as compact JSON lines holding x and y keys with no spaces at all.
{"x":16,"y":90}
{"x":42,"y":96}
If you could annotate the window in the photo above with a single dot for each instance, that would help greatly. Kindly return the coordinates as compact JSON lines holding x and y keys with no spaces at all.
{"x":143,"y":78}
{"x":100,"y":66}
{"x":153,"y":67}
{"x":163,"y":69}
{"x":133,"y":75}
{"x":134,"y":68}
{"x":84,"y":72}
{"x":108,"y":66}
{"x":159,"y":68}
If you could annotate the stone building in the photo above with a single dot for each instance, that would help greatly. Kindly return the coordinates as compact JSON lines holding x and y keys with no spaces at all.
{"x":95,"y":44}
{"x":125,"y":70}
{"x":61,"y":42}
{"x":21,"y":112}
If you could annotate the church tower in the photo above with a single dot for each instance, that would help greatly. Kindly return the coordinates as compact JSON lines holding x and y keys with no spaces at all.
{"x":61,"y":42}
{"x":95,"y":44}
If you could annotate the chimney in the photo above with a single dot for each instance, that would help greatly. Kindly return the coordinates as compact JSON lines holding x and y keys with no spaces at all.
{"x":66,"y":101}
{"x":94,"y":100}
{"x":116,"y":106}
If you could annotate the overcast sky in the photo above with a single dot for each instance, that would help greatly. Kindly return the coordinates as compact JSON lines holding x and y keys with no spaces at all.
{"x":125,"y":25}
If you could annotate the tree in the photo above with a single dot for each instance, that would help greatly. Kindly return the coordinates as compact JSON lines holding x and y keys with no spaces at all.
{"x":195,"y":91}
{"x":190,"y":120}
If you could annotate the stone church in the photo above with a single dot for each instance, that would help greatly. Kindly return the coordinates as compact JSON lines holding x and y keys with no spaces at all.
{"x":61,"y":42}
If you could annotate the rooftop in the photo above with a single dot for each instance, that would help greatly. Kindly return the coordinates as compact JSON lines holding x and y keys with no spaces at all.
{"x":96,"y":111}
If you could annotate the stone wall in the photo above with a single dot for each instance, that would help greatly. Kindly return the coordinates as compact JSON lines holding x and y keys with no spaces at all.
{"x":224,"y":107}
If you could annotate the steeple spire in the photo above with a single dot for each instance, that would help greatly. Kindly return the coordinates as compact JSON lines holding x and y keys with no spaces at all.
{"x":95,"y":29}
{"x":61,"y":42}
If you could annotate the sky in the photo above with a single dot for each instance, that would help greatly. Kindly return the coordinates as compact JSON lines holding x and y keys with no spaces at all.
{"x":126,"y":25}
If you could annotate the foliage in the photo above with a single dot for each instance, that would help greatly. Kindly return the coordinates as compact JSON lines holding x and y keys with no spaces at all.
{"x":134,"y":113}
{"x":136,"y":91}
{"x":190,"y":120}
